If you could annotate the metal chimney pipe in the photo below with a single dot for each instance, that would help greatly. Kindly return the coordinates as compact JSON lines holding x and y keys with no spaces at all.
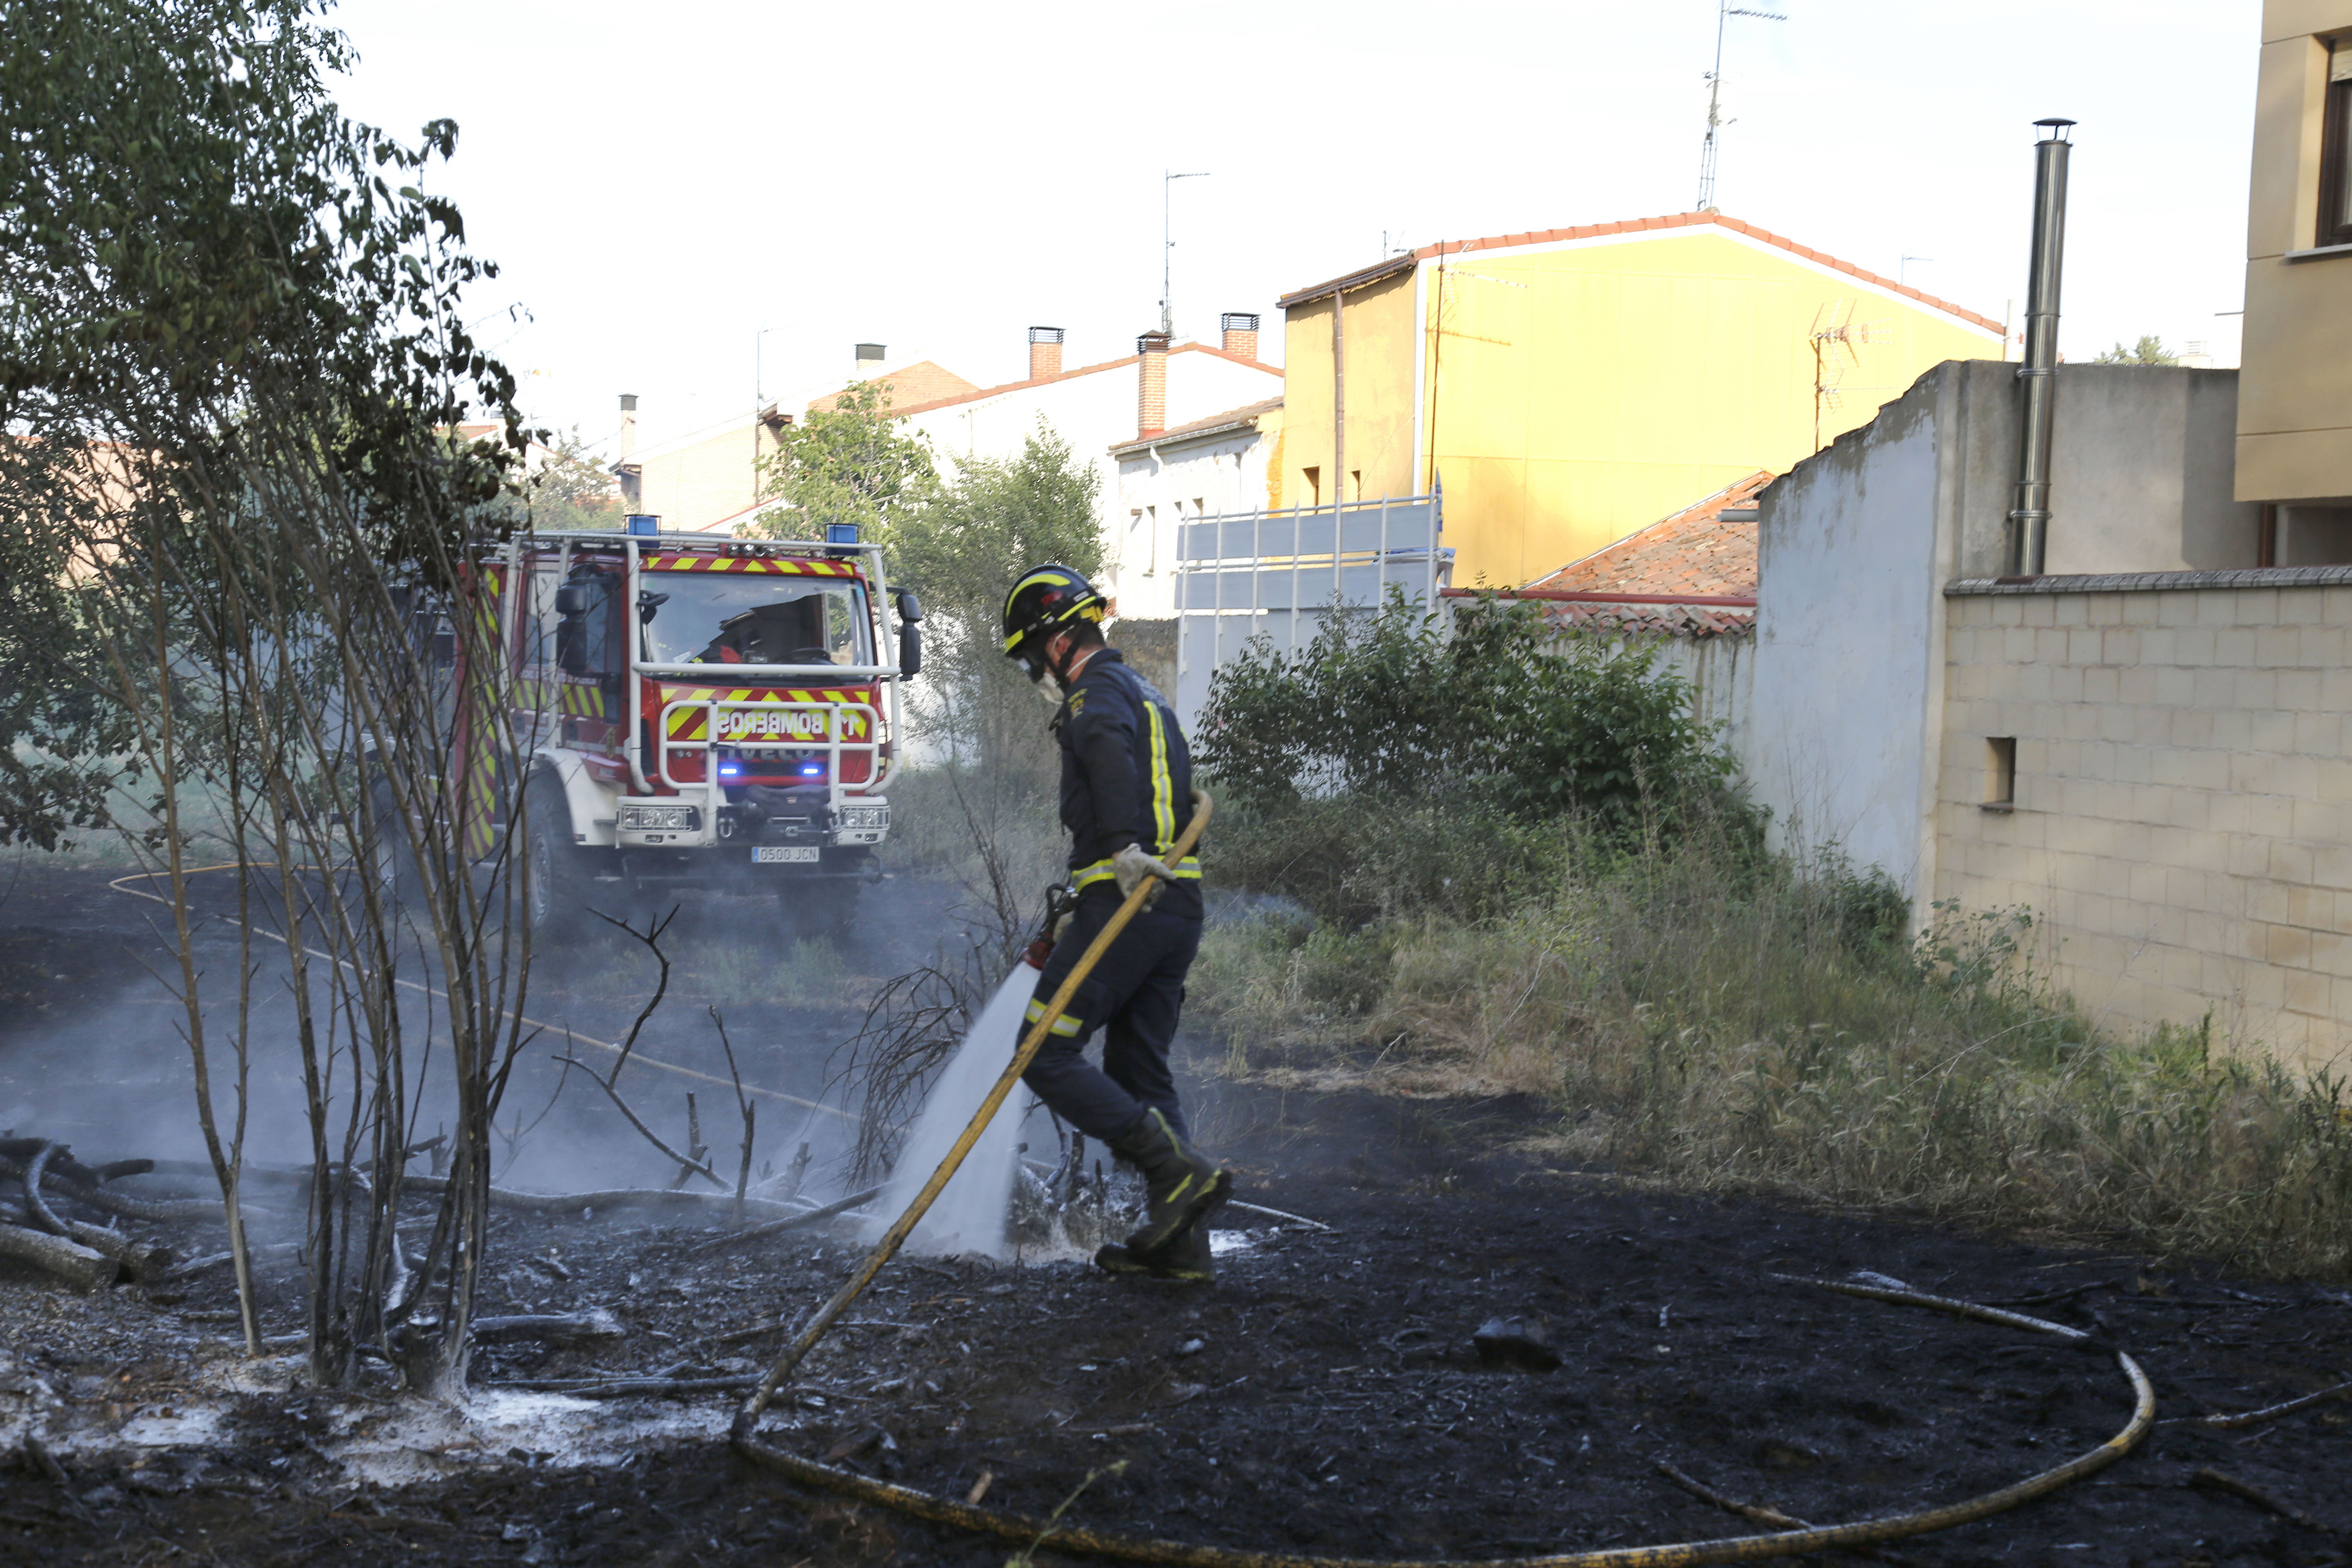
{"x":2029,"y":520}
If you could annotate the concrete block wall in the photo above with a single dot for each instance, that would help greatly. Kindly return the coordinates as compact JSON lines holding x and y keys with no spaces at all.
{"x":2182,"y":816}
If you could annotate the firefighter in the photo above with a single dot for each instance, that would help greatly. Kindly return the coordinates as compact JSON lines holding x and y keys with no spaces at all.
{"x":1126,"y":794}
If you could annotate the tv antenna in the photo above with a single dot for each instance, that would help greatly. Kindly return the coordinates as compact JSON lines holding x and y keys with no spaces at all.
{"x":1837,"y":338}
{"x":1167,"y":246}
{"x":1724,"y":11}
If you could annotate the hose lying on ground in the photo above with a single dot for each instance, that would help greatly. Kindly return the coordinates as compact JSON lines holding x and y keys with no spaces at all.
{"x":1684,"y":1555}
{"x":1017,"y":1527}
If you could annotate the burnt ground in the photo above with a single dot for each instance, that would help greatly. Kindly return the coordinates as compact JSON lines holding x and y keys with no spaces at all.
{"x":1323,"y":1397}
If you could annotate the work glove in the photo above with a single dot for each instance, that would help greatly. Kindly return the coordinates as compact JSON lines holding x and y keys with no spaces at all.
{"x":1131,"y":866}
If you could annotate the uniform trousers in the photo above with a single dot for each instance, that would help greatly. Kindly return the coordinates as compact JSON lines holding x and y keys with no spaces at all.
{"x":1134,"y":996}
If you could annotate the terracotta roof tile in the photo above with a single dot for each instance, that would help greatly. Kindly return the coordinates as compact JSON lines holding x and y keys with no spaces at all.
{"x":1694,"y":621}
{"x":921,"y":383}
{"x":976,"y":393}
{"x":1234,"y":416}
{"x":1693,"y":552}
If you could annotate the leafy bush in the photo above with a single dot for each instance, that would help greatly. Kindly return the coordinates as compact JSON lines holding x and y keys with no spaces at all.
{"x":1504,"y":708}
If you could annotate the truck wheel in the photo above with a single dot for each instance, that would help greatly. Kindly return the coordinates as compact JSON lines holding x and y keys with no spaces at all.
{"x":814,"y":909}
{"x":556,"y":886}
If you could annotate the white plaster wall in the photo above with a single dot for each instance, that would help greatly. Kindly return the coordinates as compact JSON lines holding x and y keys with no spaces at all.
{"x":1203,"y":476}
{"x":1722,"y":676}
{"x":1848,"y":601}
{"x":1092,"y":412}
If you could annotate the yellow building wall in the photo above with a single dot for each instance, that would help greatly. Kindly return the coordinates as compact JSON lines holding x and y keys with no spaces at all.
{"x":2294,"y":387}
{"x":1378,"y":352}
{"x":1576,"y":393}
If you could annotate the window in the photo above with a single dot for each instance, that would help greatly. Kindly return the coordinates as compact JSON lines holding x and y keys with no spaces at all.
{"x":2001,"y":772}
{"x":1356,"y":478}
{"x":1314,"y":478}
{"x":2335,"y":150}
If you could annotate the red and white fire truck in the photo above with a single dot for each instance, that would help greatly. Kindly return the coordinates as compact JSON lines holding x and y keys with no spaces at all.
{"x":690,"y":712}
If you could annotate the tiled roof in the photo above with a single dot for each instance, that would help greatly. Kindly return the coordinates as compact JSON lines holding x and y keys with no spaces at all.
{"x":1232,"y":417}
{"x":977,"y":392}
{"x":1449,"y":248}
{"x":1693,"y":552}
{"x":921,"y":383}
{"x":1695,"y":621}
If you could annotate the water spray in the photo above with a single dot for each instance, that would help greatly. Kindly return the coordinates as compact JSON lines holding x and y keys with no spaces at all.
{"x":748,"y":1418}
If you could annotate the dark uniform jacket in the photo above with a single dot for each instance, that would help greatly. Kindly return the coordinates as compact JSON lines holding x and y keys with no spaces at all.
{"x":1127,"y":777}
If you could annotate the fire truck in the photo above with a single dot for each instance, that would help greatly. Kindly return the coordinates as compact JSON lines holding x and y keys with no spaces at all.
{"x":690,"y":712}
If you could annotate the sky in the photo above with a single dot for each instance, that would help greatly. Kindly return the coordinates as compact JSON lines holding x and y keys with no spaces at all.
{"x":664,"y":187}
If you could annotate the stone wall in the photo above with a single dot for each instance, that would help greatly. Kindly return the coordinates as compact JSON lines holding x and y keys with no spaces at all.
{"x":2181,"y":822}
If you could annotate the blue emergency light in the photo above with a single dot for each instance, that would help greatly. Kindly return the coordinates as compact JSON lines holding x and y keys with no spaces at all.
{"x":841,"y":534}
{"x":643,"y":525}
{"x":812,"y":770}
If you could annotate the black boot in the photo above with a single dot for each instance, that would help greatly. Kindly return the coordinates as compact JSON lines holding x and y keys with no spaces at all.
{"x":1185,"y":1261}
{"x":1182,"y":1183}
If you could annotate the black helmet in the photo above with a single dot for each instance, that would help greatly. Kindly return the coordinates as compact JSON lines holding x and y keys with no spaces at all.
{"x":1048,"y":599}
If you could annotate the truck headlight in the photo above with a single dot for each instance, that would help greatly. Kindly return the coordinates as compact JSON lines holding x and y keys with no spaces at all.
{"x":659,"y":819}
{"x":853,"y":817}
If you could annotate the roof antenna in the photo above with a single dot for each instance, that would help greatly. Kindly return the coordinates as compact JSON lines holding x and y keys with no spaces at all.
{"x":1724,"y":11}
{"x":1167,"y":246}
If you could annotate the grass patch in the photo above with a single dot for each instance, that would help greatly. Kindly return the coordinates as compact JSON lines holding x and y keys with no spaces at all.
{"x":1700,"y":1011}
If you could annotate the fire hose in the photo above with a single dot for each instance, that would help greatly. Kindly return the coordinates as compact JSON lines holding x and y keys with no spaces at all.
{"x":1037,"y":1533}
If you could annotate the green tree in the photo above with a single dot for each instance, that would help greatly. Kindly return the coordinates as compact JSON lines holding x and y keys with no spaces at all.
{"x":231,"y":351}
{"x":961,"y":546}
{"x":572,"y":489}
{"x":2149,"y":350}
{"x":849,"y":463}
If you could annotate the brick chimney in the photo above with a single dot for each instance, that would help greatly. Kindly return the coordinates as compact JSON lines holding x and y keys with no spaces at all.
{"x":1240,"y":333}
{"x":1151,"y":385}
{"x":1044,"y":353}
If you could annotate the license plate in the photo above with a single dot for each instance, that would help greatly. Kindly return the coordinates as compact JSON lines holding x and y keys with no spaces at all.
{"x":783,"y":854}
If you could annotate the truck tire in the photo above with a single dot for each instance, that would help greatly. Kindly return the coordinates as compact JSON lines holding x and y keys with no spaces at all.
{"x":556,"y":885}
{"x":819,"y":909}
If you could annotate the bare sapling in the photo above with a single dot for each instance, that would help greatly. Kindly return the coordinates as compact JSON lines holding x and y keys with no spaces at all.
{"x":291,"y":557}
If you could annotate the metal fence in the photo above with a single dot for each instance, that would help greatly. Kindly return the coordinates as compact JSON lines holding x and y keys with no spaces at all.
{"x":1280,"y":574}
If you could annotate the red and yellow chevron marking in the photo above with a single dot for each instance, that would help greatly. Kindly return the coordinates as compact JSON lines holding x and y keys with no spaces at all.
{"x":582,"y":700}
{"x":783,"y":565}
{"x":760,"y":694}
{"x":770,"y":726}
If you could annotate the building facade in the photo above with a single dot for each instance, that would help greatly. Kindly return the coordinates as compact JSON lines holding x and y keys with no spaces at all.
{"x":1209,"y":467}
{"x":1570,"y":386}
{"x":1094,"y":408}
{"x":2146,"y":747}
{"x":2294,"y":407}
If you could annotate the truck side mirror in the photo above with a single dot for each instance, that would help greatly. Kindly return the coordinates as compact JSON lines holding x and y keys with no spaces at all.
{"x":910,"y":608}
{"x":910,"y":649}
{"x":572,"y":599}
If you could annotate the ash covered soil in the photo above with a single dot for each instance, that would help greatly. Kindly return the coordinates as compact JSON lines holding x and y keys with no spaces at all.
{"x":1323,"y":1397}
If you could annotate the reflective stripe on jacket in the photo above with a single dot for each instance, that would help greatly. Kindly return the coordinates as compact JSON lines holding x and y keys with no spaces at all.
{"x":1127,"y":775}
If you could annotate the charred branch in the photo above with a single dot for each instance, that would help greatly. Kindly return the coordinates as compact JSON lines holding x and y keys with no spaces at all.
{"x":794,"y":1222}
{"x":554,"y":1328}
{"x":688,"y":1163}
{"x":83,"y":1268}
{"x":617,"y":1197}
{"x":116,"y":1203}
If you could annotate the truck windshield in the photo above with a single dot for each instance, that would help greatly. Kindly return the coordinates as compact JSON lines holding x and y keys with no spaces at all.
{"x":755,"y":618}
